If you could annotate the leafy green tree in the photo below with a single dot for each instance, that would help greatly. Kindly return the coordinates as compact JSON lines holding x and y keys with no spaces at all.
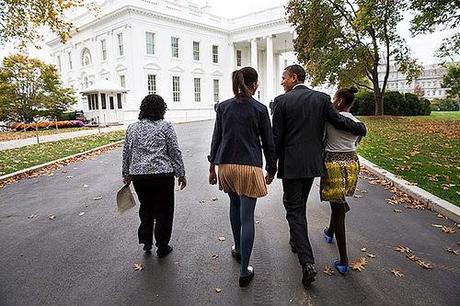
{"x":20,"y":19}
{"x":31,"y":89}
{"x":431,"y":14}
{"x":451,"y":80}
{"x":345,"y":41}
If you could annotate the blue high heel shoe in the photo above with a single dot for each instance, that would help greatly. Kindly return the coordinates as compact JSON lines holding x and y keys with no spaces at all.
{"x":342,"y":269}
{"x":327,"y":237}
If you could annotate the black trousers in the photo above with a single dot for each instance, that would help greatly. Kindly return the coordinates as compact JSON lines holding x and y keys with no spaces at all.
{"x":295,"y":202}
{"x":156,"y":195}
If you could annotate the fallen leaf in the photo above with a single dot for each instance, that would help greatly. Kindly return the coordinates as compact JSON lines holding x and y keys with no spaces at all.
{"x":214,"y":199}
{"x":357,"y":196}
{"x":85,"y":186}
{"x":218,"y":290}
{"x":138,"y":267}
{"x":69,"y":176}
{"x":51,"y":217}
{"x":397,"y":273}
{"x":32,"y":216}
{"x":202,"y":201}
{"x":448,"y":230}
{"x":440,"y":216}
{"x":359,"y":265}
{"x":425,"y":265}
{"x":402,"y":249}
{"x":82,"y":213}
{"x":411,"y":257}
{"x":397,"y":210}
{"x":221,"y":238}
{"x":363,"y":191}
{"x":257,"y":221}
{"x":97,"y":198}
{"x":455,"y":252}
{"x":328,"y":270}
{"x":436,"y":225}
{"x":370,"y":255}
{"x":363,"y":250}
{"x":215,"y":256}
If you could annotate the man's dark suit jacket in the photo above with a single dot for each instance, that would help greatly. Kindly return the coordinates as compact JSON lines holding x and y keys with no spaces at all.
{"x":299,"y":119}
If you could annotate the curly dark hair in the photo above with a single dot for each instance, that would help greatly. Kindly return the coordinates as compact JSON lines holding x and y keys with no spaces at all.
{"x":153,"y":107}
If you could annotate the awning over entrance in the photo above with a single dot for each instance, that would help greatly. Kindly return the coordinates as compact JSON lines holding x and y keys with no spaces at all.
{"x":104,"y":86}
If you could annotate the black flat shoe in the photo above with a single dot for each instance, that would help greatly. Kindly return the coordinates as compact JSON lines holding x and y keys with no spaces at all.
{"x":309,"y":273}
{"x":147,"y":247}
{"x":245,"y":280}
{"x":235,"y":254}
{"x":163,"y":252}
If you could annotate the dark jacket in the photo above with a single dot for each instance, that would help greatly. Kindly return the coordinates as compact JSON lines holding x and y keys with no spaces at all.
{"x":299,"y":119}
{"x":242,"y":130}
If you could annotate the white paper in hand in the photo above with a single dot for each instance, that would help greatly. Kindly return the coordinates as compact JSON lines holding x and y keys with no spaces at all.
{"x":125,"y":199}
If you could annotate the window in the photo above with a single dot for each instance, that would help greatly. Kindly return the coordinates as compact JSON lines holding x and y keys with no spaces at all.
{"x":112,"y":105}
{"x":119,"y":101}
{"x":216,"y":90}
{"x":215,"y":54}
{"x":85,"y":57}
{"x":150,"y":42}
{"x":439,"y":92}
{"x":238,"y":59}
{"x":120,"y":44}
{"x":85,"y":82}
{"x":151,"y":84}
{"x":175,"y":46}
{"x":103,"y":101}
{"x":89,"y":102}
{"x":96,"y":101}
{"x":176,"y":89}
{"x":196,"y":50}
{"x":122,"y":81}
{"x":59,"y":62}
{"x":69,"y":54}
{"x":103,"y":50}
{"x":197,"y":86}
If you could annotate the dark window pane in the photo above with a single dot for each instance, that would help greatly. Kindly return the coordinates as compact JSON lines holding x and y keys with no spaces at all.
{"x":103,"y":101}
{"x":119,"y":101}
{"x":112,"y":106}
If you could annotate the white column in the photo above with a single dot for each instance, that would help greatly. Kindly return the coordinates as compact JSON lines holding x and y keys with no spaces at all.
{"x":269,"y":92}
{"x":254,"y":62}
{"x":232,"y":57}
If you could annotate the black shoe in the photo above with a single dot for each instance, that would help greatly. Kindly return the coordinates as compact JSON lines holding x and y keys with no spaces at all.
{"x":163,"y":252}
{"x":235,"y":254}
{"x":245,"y":280}
{"x":147,"y":247}
{"x":309,"y":273}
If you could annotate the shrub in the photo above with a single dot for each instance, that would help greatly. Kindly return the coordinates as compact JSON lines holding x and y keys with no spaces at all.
{"x":46,"y":125}
{"x":364,"y":103}
{"x":444,"y":105}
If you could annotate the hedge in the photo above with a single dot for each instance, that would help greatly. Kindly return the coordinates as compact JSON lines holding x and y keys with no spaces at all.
{"x":444,"y":105}
{"x":394,"y":104}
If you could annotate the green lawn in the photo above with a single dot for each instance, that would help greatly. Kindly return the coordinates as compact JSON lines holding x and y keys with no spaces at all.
{"x":423,"y":150}
{"x":29,"y":156}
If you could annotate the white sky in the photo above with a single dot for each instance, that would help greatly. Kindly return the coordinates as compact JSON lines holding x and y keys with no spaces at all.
{"x":422,"y":46}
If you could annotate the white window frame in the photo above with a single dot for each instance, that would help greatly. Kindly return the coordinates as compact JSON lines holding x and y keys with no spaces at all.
{"x":104,"y":49}
{"x":215,"y":54}
{"x":175,"y":47}
{"x":196,"y":51}
{"x":151,"y":84}
{"x":176,"y":88}
{"x":86,"y":58}
{"x":197,"y":89}
{"x":121,"y":50}
{"x":216,"y":89}
{"x":149,"y":43}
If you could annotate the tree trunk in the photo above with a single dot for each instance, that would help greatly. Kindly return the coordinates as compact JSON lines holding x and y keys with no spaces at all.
{"x":378,"y":97}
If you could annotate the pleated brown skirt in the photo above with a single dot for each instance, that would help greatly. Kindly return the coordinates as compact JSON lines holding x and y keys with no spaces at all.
{"x":242,"y":179}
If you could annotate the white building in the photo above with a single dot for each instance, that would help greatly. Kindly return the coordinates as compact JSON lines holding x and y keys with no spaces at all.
{"x":430,"y":82}
{"x":173,"y":48}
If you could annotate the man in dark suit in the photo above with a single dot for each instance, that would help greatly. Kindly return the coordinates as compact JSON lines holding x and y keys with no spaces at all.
{"x":299,"y":118}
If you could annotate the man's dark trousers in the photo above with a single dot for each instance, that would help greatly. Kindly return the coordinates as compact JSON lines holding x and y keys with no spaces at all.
{"x":295,"y":202}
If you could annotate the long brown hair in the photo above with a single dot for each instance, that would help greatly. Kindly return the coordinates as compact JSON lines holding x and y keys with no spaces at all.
{"x":242,"y":79}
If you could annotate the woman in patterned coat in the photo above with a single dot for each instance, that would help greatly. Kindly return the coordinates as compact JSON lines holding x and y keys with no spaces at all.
{"x":151,"y":160}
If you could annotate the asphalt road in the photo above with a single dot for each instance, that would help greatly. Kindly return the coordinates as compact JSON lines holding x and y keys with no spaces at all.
{"x":88,"y":259}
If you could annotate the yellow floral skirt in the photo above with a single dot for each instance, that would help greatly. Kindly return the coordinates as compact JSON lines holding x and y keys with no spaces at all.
{"x":341,"y":176}
{"x":242,"y":179}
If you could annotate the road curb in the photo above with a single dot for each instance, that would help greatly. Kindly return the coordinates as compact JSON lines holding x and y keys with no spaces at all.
{"x":38,"y":167}
{"x":437,"y":204}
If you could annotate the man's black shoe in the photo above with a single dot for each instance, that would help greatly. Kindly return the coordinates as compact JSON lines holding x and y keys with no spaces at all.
{"x":163,"y":252}
{"x":309,"y":273}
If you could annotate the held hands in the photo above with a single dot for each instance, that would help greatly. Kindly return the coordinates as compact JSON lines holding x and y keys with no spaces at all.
{"x":212,"y":177}
{"x":126,"y":180}
{"x":269,"y":178}
{"x":182,"y":182}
